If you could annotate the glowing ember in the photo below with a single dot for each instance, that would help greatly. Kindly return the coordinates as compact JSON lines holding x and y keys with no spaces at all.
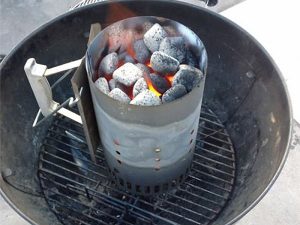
{"x":151,"y":87}
{"x":170,"y":78}
{"x":155,"y":61}
{"x":149,"y":83}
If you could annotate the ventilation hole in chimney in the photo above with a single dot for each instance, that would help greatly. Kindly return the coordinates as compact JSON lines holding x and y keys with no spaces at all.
{"x":121,"y":181}
{"x":192,"y":131}
{"x":129,"y":185}
{"x":156,"y":188}
{"x":119,"y":153}
{"x":157,"y":168}
{"x":119,"y":161}
{"x":165,"y":187}
{"x":148,"y":189}
{"x":191,"y":141}
{"x":116,"y":171}
{"x":138,"y":188}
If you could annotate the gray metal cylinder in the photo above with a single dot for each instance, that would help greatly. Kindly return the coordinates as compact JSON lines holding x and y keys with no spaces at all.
{"x":148,"y":148}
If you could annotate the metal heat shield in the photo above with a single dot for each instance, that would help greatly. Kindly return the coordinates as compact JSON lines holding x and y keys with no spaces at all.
{"x":82,"y":91}
{"x":86,"y":109}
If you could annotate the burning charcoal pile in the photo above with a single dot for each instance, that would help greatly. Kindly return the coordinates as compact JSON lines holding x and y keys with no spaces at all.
{"x":156,"y":69}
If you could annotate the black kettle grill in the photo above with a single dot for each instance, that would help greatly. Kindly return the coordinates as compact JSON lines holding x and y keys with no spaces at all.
{"x":48,"y":177}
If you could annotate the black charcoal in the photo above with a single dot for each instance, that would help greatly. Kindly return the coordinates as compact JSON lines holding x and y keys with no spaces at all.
{"x":139,"y":86}
{"x":119,"y":95}
{"x":142,"y":54}
{"x":127,"y":74}
{"x":190,"y":59}
{"x":146,"y":98}
{"x":102,"y":85}
{"x":188,"y":76}
{"x":144,"y":68}
{"x":173,"y":93}
{"x":174,"y":46}
{"x":125,"y":57}
{"x":109,"y":64}
{"x":159,"y":82}
{"x":154,"y":36}
{"x":163,"y":63}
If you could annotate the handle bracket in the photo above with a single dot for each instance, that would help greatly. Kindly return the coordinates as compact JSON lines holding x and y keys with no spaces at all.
{"x":36,"y":75}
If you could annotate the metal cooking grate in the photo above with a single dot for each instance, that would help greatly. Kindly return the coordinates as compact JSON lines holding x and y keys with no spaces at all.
{"x":79,"y":191}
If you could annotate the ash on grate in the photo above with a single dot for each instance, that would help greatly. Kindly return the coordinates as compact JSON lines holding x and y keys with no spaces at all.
{"x":152,"y":68}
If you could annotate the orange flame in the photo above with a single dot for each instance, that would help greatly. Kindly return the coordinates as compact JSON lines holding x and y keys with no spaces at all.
{"x":151,"y":87}
{"x":149,"y":83}
{"x":170,"y":79}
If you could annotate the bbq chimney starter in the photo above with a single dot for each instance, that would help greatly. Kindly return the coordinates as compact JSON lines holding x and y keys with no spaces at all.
{"x":148,"y":149}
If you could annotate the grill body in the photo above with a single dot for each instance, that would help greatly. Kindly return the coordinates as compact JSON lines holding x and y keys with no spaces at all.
{"x":244,"y":89}
{"x":147,"y":147}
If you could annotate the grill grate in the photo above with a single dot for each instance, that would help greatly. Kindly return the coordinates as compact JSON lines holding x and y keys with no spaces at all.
{"x":80,"y":191}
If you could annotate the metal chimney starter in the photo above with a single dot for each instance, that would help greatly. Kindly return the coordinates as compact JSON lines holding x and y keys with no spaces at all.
{"x":148,"y":149}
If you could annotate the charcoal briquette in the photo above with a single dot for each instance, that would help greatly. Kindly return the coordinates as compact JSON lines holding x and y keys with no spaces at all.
{"x":126,"y":58}
{"x":173,"y":93}
{"x":188,"y":76}
{"x":109,"y":64}
{"x":114,"y":84}
{"x":163,"y":63}
{"x":159,"y":82}
{"x":174,"y":46}
{"x":191,"y":59}
{"x":142,"y":54}
{"x":146,"y":98}
{"x":102,"y":85}
{"x":144,"y":68}
{"x":154,"y":36}
{"x":127,"y":74}
{"x":139,"y":86}
{"x":119,"y":95}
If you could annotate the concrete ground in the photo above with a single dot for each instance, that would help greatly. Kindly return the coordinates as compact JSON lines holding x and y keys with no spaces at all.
{"x":281,"y":206}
